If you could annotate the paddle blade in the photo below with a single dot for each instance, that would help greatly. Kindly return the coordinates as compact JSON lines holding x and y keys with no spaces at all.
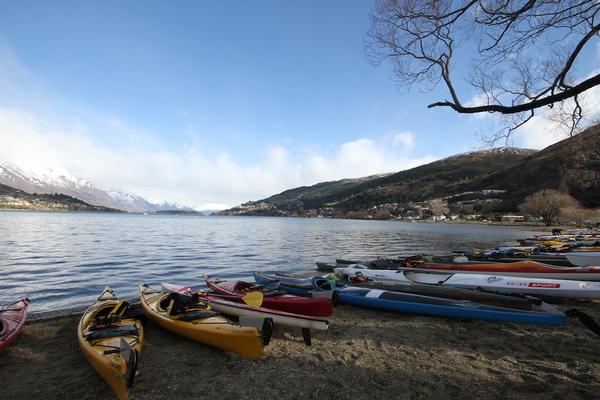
{"x":253,"y":299}
{"x":129,"y":354}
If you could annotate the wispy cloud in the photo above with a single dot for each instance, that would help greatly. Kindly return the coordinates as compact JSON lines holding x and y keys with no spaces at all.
{"x":114,"y":154}
{"x":189,"y":177}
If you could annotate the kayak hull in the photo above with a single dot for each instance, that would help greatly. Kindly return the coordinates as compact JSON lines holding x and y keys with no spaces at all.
{"x":313,"y":306}
{"x":113,"y":368}
{"x":558,"y":288}
{"x":412,"y":304}
{"x":298,"y":286}
{"x":584,"y":258}
{"x":214,"y":331}
{"x":278,"y":317}
{"x":12,"y":321}
{"x":521,"y":268}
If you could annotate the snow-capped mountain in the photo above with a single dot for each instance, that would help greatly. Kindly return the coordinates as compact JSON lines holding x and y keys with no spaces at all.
{"x":46,"y":181}
{"x":56,"y":180}
{"x":508,"y":151}
{"x":134,"y":203}
{"x":130,"y":202}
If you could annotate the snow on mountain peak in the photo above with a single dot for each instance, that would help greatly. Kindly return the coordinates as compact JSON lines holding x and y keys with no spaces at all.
{"x":58,"y":180}
{"x":45,"y":176}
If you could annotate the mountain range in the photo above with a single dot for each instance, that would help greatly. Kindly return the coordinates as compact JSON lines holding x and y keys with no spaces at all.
{"x":496,"y":180}
{"x":18,"y":199}
{"x":49,"y":181}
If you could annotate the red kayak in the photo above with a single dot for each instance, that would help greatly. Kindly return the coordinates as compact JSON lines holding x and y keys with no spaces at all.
{"x":12,"y":320}
{"x":234,"y":290}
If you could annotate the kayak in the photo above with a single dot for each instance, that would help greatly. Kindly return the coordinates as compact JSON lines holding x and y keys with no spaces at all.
{"x":487,"y":257}
{"x":306,"y":323}
{"x":275,"y":299}
{"x":324,"y":267}
{"x":241,"y":309}
{"x":110,"y":338}
{"x":311,"y":286}
{"x":584,"y":258}
{"x":12,"y":321}
{"x":529,"y":269}
{"x":386,"y":300}
{"x":194,"y":319}
{"x":378,"y":263}
{"x":554,"y":259}
{"x":279,"y":317}
{"x":558,"y":288}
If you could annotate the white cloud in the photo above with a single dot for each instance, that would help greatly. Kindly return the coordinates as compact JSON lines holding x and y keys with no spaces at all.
{"x":541,"y":131}
{"x":189,"y":177}
{"x":480,"y":99}
{"x":364,"y":157}
{"x":406,"y":139}
{"x":40,"y":129}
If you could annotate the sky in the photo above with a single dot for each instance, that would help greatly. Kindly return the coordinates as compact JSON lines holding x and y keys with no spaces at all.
{"x":211,"y":104}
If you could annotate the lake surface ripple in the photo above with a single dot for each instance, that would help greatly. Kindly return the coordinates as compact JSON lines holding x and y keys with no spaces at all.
{"x":63,"y":260}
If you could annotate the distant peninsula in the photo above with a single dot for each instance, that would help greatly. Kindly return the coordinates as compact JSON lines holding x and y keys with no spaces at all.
{"x":15,"y":199}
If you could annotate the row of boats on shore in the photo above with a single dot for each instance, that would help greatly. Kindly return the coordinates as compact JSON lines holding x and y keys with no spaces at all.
{"x":514,"y":284}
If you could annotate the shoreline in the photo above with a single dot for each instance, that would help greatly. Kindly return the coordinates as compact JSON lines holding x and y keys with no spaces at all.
{"x":365,"y":354}
{"x":456,"y":222}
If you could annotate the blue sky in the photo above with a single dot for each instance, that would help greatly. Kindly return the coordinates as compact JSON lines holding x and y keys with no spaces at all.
{"x":212,"y":102}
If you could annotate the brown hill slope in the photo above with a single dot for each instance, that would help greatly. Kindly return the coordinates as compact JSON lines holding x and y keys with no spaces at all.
{"x":571,"y":165}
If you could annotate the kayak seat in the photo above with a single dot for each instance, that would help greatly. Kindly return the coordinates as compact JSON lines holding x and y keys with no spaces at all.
{"x":125,"y":330}
{"x":177,"y":303}
{"x":198,"y":314}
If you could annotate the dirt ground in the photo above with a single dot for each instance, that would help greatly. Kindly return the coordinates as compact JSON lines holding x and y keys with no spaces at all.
{"x":365,"y":354}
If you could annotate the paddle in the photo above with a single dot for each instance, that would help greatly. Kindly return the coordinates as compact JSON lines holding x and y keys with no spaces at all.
{"x":129,"y":354}
{"x":253,"y":299}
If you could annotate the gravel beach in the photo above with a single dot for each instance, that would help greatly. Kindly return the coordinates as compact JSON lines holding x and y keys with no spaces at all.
{"x":365,"y":354}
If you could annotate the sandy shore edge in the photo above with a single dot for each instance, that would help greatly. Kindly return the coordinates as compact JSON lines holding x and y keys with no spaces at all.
{"x":366,"y":354}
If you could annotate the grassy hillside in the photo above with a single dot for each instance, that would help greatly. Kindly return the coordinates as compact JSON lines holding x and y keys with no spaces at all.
{"x":572,"y":165}
{"x":438,"y":179}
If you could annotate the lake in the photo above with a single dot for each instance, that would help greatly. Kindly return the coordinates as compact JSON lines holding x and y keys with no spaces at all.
{"x":63,"y":260}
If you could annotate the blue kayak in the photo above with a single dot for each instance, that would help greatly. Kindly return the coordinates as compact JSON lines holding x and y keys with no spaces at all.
{"x":538,"y":313}
{"x":299,"y":286}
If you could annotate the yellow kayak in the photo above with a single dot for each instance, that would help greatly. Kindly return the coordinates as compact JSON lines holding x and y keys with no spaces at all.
{"x":550,"y":243}
{"x":193,"y":318}
{"x":111,"y":341}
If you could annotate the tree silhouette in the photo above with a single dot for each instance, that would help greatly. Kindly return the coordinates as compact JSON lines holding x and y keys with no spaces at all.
{"x":525,"y":57}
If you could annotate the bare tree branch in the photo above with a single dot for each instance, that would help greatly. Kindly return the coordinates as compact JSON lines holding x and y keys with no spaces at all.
{"x":526,"y":52}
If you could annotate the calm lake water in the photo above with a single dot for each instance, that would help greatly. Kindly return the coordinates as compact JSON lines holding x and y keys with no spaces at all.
{"x":63,"y":260}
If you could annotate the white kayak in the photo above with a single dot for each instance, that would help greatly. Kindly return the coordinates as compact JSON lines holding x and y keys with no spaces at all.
{"x":495,"y":283}
{"x":584,"y":258}
{"x":279,"y":317}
